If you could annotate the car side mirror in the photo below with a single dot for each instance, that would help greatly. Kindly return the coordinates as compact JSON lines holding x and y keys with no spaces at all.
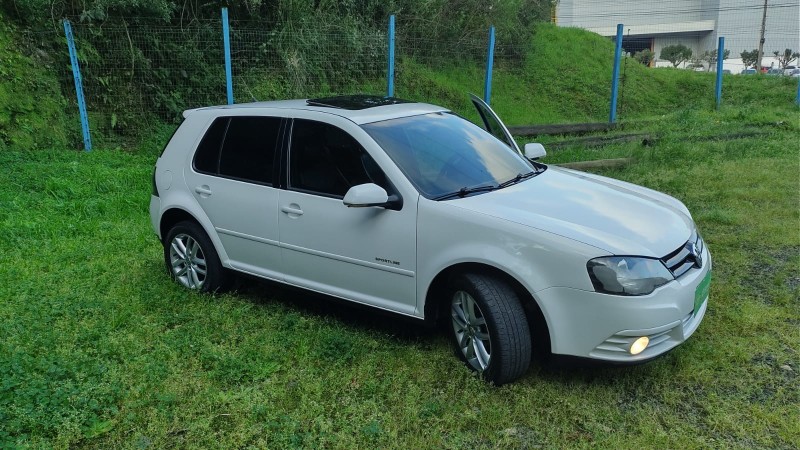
{"x":534,"y":150}
{"x":366,"y":195}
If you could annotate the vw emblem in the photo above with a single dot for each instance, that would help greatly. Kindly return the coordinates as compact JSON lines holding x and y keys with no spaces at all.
{"x":695,"y":252}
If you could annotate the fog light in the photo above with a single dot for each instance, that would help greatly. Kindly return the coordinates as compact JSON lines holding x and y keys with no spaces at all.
{"x":639,"y":345}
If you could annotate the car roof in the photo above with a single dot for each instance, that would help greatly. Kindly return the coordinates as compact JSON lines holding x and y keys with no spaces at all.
{"x":360,"y":109}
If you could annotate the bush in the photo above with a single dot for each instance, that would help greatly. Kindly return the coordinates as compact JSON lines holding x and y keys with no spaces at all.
{"x":32,"y":109}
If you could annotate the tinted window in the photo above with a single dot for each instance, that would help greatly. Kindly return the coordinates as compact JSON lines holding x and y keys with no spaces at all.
{"x":249,"y":149}
{"x":325,"y":159}
{"x":206,"y":159}
{"x":442,"y":153}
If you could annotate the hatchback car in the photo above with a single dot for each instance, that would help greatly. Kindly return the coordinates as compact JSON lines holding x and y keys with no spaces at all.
{"x":409,"y":208}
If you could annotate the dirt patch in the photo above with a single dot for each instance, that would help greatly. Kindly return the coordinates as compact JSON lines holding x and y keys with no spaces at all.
{"x":768,"y":264}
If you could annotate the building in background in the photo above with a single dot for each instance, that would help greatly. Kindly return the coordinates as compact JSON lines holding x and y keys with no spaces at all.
{"x":697,"y":24}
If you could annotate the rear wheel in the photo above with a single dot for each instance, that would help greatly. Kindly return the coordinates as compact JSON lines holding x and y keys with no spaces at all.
{"x":192,"y":261}
{"x":489,"y":329}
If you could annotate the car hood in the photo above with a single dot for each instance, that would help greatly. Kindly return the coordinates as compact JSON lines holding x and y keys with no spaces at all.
{"x":618,"y":217}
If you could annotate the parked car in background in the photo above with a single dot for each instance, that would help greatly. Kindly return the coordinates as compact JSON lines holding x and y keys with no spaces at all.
{"x":795,"y":73}
{"x":748,"y":72}
{"x":409,"y":208}
{"x":788,"y":70}
{"x":775,"y":71}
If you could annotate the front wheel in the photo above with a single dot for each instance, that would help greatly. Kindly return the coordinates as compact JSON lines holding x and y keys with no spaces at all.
{"x":489,"y":329}
{"x":192,"y":261}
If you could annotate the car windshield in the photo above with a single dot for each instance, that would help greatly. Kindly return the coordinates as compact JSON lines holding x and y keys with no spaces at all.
{"x":442,"y":153}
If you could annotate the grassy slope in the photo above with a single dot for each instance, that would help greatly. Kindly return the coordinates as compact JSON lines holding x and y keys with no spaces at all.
{"x":552,"y":87}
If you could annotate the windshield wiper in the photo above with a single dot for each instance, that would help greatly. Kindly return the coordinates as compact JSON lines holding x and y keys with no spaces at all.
{"x":464,"y":191}
{"x":517,"y":179}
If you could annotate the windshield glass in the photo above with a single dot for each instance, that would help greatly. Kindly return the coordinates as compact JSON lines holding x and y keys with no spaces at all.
{"x":442,"y":153}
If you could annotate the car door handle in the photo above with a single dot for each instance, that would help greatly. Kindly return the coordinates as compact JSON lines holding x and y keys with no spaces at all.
{"x":203,"y":190}
{"x":292,"y":210}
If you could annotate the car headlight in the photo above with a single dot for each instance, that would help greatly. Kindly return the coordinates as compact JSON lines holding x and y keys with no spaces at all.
{"x":627,"y":275}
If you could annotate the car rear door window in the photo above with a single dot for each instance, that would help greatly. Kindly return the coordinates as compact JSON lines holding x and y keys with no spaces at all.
{"x":206,"y":158}
{"x":240,"y":147}
{"x":326,"y":160}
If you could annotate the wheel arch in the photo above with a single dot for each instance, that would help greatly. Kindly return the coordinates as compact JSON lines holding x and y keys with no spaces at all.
{"x":435,"y":309}
{"x":173,"y":216}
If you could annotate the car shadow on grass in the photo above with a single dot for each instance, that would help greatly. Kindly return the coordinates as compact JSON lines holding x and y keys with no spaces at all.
{"x":407,"y":331}
{"x":352,"y":315}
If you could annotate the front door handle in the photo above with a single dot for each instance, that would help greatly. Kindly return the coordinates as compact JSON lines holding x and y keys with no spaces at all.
{"x":292,"y":210}
{"x":203,"y":190}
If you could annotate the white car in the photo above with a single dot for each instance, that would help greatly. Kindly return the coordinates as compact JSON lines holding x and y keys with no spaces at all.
{"x":411,"y":209}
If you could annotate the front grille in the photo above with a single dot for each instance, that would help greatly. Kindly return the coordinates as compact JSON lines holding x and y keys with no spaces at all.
{"x":686,"y":256}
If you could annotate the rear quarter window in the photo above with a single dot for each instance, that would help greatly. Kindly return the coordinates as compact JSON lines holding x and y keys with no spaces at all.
{"x":206,"y":158}
{"x":241,"y":148}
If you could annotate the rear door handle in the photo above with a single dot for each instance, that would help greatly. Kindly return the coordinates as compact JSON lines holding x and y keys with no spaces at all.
{"x":292,"y":210}
{"x":203,"y":190}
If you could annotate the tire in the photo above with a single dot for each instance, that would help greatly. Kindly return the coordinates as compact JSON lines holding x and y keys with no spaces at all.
{"x":488,"y":327}
{"x":192,"y":261}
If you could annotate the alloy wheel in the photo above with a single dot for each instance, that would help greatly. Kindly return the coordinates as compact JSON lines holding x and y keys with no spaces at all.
{"x":471,"y":330}
{"x":188,"y":261}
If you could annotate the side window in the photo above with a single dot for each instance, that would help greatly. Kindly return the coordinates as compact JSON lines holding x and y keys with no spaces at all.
{"x":249,"y":149}
{"x":206,"y":158}
{"x":326,"y":160}
{"x":239,"y":147}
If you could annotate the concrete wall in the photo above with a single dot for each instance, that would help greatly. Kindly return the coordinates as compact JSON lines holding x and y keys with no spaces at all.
{"x":694,"y":23}
{"x":592,"y":14}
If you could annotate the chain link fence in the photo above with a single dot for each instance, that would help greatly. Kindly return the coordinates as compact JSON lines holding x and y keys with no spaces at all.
{"x":137,"y":74}
{"x":289,"y":62}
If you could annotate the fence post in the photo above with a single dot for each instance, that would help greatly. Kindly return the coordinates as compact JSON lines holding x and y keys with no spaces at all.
{"x":390,"y":69}
{"x":226,"y":40}
{"x":797,"y":99}
{"x":76,"y":75}
{"x":612,"y":117}
{"x":720,"y":57}
{"x":487,"y":87}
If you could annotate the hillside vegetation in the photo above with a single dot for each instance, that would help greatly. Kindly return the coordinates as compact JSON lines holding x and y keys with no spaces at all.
{"x":32,"y":108}
{"x":543,"y":74}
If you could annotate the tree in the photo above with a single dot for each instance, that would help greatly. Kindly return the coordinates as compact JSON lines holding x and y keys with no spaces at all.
{"x":645,"y":56}
{"x":750,"y":58}
{"x":711,"y":57}
{"x":786,"y":57}
{"x":676,"y":54}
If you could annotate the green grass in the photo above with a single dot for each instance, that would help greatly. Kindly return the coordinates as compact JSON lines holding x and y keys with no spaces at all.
{"x":99,"y":349}
{"x":548,"y":87}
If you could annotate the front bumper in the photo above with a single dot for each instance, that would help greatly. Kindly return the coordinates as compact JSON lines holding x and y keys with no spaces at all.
{"x":603,"y":327}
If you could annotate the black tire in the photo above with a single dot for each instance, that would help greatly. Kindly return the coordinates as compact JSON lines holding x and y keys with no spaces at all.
{"x":499,"y":315}
{"x":188,"y":252}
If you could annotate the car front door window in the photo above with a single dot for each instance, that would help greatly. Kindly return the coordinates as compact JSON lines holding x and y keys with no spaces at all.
{"x":326,"y":160}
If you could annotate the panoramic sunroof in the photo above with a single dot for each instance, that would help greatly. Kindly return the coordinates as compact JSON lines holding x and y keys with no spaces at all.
{"x":355,"y":102}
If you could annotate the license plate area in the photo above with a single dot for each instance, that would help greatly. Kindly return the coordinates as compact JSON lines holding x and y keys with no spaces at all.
{"x":701,"y":293}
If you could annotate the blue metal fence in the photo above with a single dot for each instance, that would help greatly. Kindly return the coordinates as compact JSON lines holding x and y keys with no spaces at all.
{"x":76,"y":75}
{"x":612,"y":116}
{"x":226,"y":41}
{"x":720,"y":58}
{"x":487,"y":87}
{"x":390,"y":70}
{"x":294,"y":63}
